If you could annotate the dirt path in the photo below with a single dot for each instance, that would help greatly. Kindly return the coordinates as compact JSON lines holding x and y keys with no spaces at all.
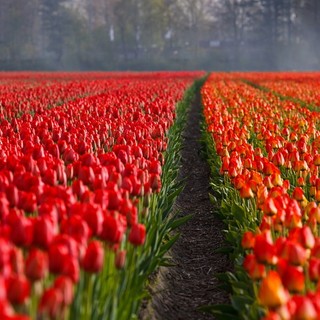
{"x":181,"y":289}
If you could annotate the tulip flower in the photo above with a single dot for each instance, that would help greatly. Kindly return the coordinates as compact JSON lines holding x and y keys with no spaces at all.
{"x":94,"y":257}
{"x":65,"y":285}
{"x":51,"y":304}
{"x":304,"y":309}
{"x":37,"y":265}
{"x":112,"y":229}
{"x":248,"y":240}
{"x":264,"y":250}
{"x":293,"y":279}
{"x":272,"y":294}
{"x":137,"y":234}
{"x":18,"y":289}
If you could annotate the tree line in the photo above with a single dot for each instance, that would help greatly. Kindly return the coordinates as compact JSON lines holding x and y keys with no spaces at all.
{"x":159,"y":34}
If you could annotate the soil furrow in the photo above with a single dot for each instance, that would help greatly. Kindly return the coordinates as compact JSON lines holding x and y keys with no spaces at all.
{"x":179,"y":290}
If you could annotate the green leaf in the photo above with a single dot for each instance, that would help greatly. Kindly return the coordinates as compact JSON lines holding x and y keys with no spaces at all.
{"x":221,"y":311}
{"x":238,"y":212}
{"x":166,"y":263}
{"x":174,"y":194}
{"x":241,"y":303}
{"x":226,"y":249}
{"x":180,"y":221}
{"x":166,"y":247}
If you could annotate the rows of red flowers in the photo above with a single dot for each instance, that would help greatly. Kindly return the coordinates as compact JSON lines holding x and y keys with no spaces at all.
{"x":268,"y":154}
{"x":304,"y":86}
{"x":81,"y":164}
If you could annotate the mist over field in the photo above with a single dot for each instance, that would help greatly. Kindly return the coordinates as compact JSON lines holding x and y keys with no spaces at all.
{"x":159,"y":34}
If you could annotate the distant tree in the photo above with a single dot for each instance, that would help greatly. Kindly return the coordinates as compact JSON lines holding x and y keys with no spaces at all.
{"x":53,"y":18}
{"x":17,"y":22}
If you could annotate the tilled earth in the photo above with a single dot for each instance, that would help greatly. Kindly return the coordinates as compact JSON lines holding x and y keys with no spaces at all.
{"x":178,"y":291}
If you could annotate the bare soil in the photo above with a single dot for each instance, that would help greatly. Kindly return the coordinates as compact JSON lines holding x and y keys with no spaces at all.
{"x":179,"y":290}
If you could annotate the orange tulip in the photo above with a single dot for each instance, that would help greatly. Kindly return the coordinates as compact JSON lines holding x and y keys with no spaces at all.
{"x":248,"y":240}
{"x":246,"y":192}
{"x":272,"y":293}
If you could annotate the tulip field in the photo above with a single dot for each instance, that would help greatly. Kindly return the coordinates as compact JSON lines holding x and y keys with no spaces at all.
{"x":87,"y":180}
{"x":89,"y":173}
{"x":263,"y":144}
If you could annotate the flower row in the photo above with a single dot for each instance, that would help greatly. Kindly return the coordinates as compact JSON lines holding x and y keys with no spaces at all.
{"x":78,"y":186}
{"x":268,"y":154}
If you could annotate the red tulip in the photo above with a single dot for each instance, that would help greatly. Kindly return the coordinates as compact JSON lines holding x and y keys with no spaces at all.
{"x":27,"y":201}
{"x":314,"y":269}
{"x":71,"y":268}
{"x":22,"y":230}
{"x":4,"y":206}
{"x":37,"y":264}
{"x":294,"y":253}
{"x":77,"y":228}
{"x":44,"y":232}
{"x":114,"y":198}
{"x":65,"y":285}
{"x":94,"y":257}
{"x":58,"y":254}
{"x":293,"y":279}
{"x":137,"y":234}
{"x":93,"y":216}
{"x":255,"y":269}
{"x":18,"y":289}
{"x":112,"y":229}
{"x":304,"y":308}
{"x":248,"y":240}
{"x":51,"y":304}
{"x":264,"y":250}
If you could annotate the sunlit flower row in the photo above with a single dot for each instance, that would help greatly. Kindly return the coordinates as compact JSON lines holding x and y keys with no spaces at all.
{"x":304,"y":86}
{"x":268,"y":148}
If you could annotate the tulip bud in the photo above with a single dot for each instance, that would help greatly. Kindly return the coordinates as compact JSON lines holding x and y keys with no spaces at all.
{"x":43,"y":231}
{"x":137,"y":234}
{"x":21,"y":231}
{"x":114,"y":198}
{"x":298,"y":194}
{"x":5,"y":205}
{"x":293,"y":279}
{"x":93,"y":216}
{"x":37,"y":265}
{"x":65,"y":285}
{"x":120,"y":259}
{"x":77,"y":228}
{"x":58,"y":253}
{"x":264,"y":250}
{"x":248,"y":240}
{"x":18,"y":289}
{"x":17,"y":260}
{"x":112,"y":229}
{"x":94,"y":257}
{"x":272,"y":294}
{"x":155,"y":182}
{"x":314,"y":269}
{"x":255,"y":270}
{"x":304,"y":309}
{"x":51,"y":304}
{"x":246,"y":192}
